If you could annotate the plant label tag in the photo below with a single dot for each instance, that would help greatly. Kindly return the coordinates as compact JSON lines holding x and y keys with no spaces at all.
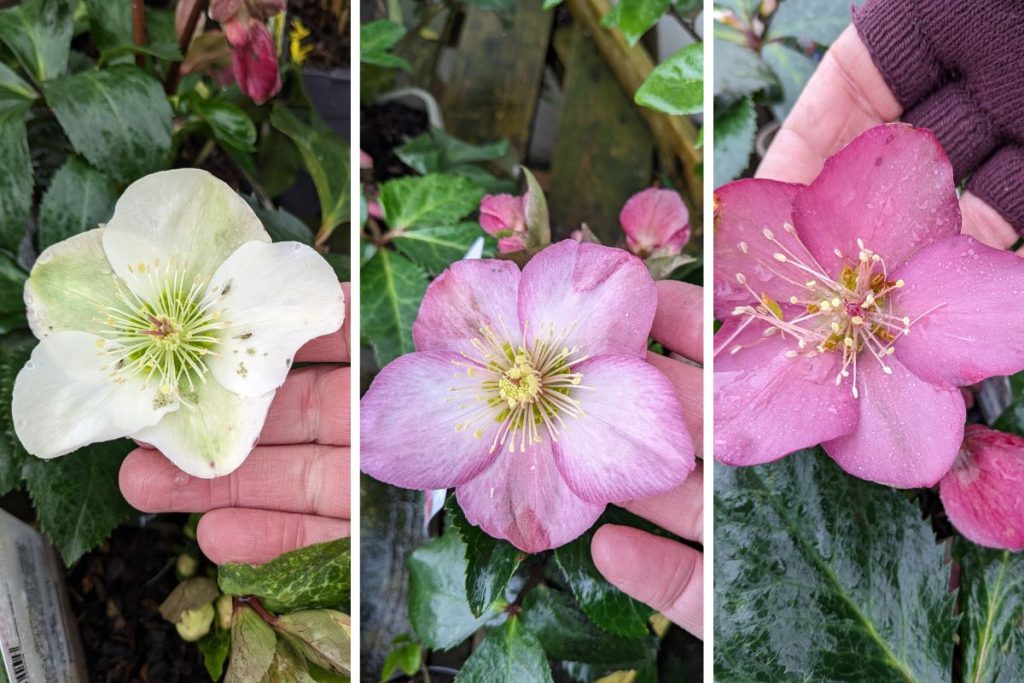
{"x":38,"y":636}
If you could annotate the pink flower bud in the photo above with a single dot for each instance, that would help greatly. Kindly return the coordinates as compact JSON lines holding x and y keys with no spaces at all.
{"x":253,"y":59}
{"x":655,"y":221}
{"x":224,"y":10}
{"x":982,"y":492}
{"x":365,"y":160}
{"x":504,"y":217}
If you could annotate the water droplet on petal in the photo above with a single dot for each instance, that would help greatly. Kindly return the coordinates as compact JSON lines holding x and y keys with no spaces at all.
{"x":30,"y":365}
{"x":296,"y":247}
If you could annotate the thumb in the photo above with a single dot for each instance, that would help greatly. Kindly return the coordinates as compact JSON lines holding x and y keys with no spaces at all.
{"x":985,"y":224}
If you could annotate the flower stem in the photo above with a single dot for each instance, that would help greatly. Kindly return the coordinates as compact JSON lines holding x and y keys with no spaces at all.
{"x":174,"y":73}
{"x":139,"y":29}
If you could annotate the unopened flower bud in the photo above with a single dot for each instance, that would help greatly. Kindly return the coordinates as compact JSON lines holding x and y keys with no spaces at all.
{"x":195,"y":623}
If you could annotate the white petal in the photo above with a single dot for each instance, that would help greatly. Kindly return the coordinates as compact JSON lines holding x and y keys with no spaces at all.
{"x":65,"y":398}
{"x":71,"y":286}
{"x":212,"y":433}
{"x":275,"y":298}
{"x":180,"y":216}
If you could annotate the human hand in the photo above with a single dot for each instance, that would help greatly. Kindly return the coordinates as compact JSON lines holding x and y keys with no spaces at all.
{"x":847,"y":95}
{"x":292,"y":490}
{"x":667,"y":575}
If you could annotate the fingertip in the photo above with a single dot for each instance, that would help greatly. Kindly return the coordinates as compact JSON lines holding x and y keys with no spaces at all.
{"x":611,"y":550}
{"x":137,"y":471}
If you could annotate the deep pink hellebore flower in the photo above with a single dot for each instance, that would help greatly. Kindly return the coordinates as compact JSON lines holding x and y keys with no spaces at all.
{"x":253,"y":58}
{"x":655,"y":221}
{"x":982,"y":493}
{"x":530,"y":394}
{"x":504,"y":216}
{"x":852,"y":310}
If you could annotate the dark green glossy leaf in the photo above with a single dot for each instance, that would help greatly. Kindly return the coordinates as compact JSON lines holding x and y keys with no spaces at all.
{"x":793,"y":69}
{"x":735,"y":130}
{"x":376,"y":38}
{"x":13,"y":86}
{"x":992,"y":602}
{"x":567,"y":634}
{"x":282,"y":225}
{"x":490,"y":562}
{"x":79,"y":198}
{"x":438,"y":608}
{"x":76,"y":496}
{"x":819,"y":21}
{"x":509,"y":654}
{"x":110,"y":23}
{"x":438,"y":152}
{"x":635,"y":17}
{"x":15,"y":350}
{"x":392,"y":288}
{"x":435,"y":248}
{"x":312,"y":577}
{"x":818,"y":574}
{"x":430,"y":200}
{"x":253,"y":646}
{"x":117,"y":118}
{"x":38,"y":32}
{"x":231,"y":126}
{"x":15,"y":177}
{"x":676,"y":86}
{"x":739,"y":71}
{"x":215,"y":648}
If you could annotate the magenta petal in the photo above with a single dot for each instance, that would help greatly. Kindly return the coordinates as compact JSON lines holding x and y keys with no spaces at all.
{"x":632,"y":441}
{"x":469,"y":295}
{"x":909,"y":430}
{"x":976,"y":331}
{"x":743,"y":211}
{"x":892,"y":186}
{"x":655,"y":219}
{"x":502,"y":212}
{"x":598,"y":298}
{"x":768,"y":405}
{"x":523,"y":499}
{"x":413,"y":433}
{"x":982,"y":493}
{"x":254,"y":59}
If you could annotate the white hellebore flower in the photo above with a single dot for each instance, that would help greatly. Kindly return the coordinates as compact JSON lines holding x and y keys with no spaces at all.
{"x":173,"y":324}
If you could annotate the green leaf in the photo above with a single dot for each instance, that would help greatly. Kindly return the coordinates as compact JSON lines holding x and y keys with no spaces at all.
{"x":676,"y":86}
{"x":793,"y":69}
{"x":635,"y":17}
{"x":13,"y":86}
{"x":38,"y":32}
{"x":322,"y":636}
{"x":117,"y":118}
{"x":405,"y":654}
{"x":435,"y":248}
{"x":288,"y":666}
{"x":392,"y":288}
{"x":818,"y":572}
{"x":253,"y":646}
{"x":819,"y":21}
{"x":567,"y":634}
{"x":735,"y":130}
{"x":310,"y":577}
{"x":215,"y":648}
{"x":110,"y":23}
{"x":992,"y":602}
{"x":438,"y":609}
{"x":739,"y":71}
{"x":603,"y":603}
{"x":188,"y":595}
{"x":15,"y":177}
{"x":15,"y":350}
{"x":438,"y":152}
{"x":282,"y":225}
{"x":326,"y":158}
{"x":538,"y":220}
{"x":376,"y":38}
{"x":551,"y":4}
{"x":509,"y":654}
{"x":76,"y":496}
{"x":436,"y":199}
{"x":79,"y":199}
{"x":745,"y":11}
{"x":231,"y":126}
{"x":490,"y":562}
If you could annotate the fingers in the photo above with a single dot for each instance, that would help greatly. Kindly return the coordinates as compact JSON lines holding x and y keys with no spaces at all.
{"x":846,"y":96}
{"x":258,"y":536}
{"x":679,"y":321}
{"x":308,"y":479}
{"x":688,"y":381}
{"x":311,"y":406}
{"x":985,"y":224}
{"x":662,"y":573}
{"x":680,"y":510}
{"x":331,"y":348}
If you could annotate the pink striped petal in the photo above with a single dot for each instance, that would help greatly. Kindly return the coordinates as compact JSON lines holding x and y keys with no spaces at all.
{"x":909,"y":431}
{"x":412,"y":424}
{"x":768,"y":405}
{"x":523,"y":499}
{"x":963,"y":296}
{"x":892,"y":186}
{"x":655,"y":220}
{"x":598,"y":298}
{"x":632,"y":441}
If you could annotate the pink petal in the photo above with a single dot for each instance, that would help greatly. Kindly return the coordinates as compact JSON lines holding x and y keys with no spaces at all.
{"x":909,"y":430}
{"x":982,"y":493}
{"x":254,"y":60}
{"x":976,"y":332}
{"x":469,"y":295}
{"x":523,"y":499}
{"x":743,"y":211}
{"x":655,"y":219}
{"x":223,"y":10}
{"x":598,"y":298}
{"x":632,"y":441}
{"x":507,"y":245}
{"x":768,"y":405}
{"x":892,"y":186}
{"x":502,"y":212}
{"x":411,"y":421}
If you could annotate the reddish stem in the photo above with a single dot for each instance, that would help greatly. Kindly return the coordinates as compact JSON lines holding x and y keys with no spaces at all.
{"x":174,"y":73}
{"x":139,"y":29}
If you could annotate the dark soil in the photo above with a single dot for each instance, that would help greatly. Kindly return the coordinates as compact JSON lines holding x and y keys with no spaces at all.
{"x":115,"y":592}
{"x":385,"y":127}
{"x":328,"y":23}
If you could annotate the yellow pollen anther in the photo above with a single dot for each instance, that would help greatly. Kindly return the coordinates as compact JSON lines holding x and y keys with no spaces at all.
{"x":857,"y":320}
{"x":899,"y":284}
{"x":836,"y":302}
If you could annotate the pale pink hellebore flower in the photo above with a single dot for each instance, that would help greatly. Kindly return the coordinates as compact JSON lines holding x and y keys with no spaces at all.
{"x":655,"y":222}
{"x":853,"y":309}
{"x":982,"y":493}
{"x":530,"y":394}
{"x":504,"y":216}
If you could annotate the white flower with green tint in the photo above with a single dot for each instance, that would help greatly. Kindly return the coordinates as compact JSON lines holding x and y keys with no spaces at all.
{"x":173,"y":324}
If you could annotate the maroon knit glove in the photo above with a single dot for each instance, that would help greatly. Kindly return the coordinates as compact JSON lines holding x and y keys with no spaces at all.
{"x":957,"y":67}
